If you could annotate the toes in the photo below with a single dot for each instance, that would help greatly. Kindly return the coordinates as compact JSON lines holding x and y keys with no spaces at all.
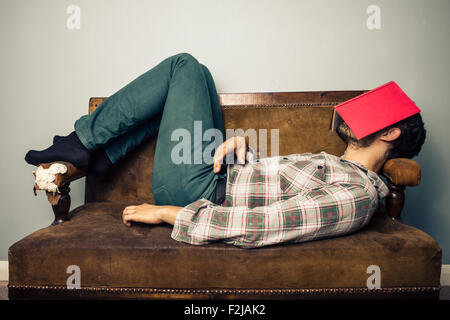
{"x":29,"y":157}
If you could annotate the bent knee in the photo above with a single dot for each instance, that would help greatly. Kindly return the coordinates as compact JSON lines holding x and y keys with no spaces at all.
{"x":185,"y":57}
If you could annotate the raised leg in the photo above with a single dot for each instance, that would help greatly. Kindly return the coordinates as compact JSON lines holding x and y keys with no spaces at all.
{"x":170,"y":96}
{"x":192,"y":107}
{"x":134,"y":113}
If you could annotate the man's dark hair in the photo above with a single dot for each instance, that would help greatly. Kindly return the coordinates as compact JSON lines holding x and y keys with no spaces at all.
{"x":407,"y":145}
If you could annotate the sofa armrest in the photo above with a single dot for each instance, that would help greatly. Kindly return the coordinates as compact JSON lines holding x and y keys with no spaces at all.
{"x":400,"y":172}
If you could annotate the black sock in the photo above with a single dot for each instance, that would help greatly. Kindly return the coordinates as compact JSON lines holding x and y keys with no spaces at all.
{"x":68,"y":148}
{"x":56,"y":138}
{"x":99,"y":163}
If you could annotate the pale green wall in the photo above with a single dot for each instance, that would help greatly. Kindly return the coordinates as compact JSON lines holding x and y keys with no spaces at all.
{"x":49,"y":72}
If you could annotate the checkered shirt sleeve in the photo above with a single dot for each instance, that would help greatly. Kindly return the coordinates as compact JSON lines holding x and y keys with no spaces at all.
{"x":329,"y":211}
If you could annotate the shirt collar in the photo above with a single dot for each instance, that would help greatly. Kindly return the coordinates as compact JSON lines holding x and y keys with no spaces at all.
{"x":381,"y":187}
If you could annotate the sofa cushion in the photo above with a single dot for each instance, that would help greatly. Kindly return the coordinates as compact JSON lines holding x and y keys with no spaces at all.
{"x":144,"y":256}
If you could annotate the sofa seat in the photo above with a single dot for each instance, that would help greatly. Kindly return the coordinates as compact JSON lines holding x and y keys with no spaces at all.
{"x":144,"y":261}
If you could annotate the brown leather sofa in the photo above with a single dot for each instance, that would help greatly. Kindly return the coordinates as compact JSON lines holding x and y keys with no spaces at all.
{"x":144,"y":262}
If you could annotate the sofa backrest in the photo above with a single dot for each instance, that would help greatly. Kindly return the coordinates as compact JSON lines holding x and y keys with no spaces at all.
{"x":302,"y":119}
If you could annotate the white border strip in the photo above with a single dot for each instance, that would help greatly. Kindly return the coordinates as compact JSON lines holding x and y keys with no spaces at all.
{"x":445,"y":273}
{"x":4,"y":275}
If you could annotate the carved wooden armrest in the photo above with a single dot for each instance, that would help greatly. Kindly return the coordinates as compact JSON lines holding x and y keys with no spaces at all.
{"x":60,"y":201}
{"x":400,"y":172}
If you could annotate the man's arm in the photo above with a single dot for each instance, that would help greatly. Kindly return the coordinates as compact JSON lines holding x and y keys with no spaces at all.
{"x":330,"y":211}
{"x":169,"y":214}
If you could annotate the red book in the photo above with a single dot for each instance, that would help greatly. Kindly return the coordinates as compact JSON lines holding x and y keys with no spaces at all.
{"x":375,"y":110}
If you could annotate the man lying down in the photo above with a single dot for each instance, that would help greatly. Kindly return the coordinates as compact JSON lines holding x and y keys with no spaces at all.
{"x":248,"y":204}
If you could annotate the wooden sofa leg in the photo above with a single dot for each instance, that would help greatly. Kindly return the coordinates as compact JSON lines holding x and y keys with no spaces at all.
{"x":61,"y":209}
{"x":60,"y":201}
{"x":395,"y":200}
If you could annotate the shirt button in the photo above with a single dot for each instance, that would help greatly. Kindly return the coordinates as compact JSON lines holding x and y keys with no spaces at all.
{"x":320,"y":167}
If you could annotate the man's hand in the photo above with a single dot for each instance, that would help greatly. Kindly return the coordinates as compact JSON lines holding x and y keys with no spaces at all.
{"x":149,"y":213}
{"x":236,"y":145}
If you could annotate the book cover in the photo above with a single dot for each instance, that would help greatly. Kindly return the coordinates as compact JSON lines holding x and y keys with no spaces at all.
{"x":374,"y":110}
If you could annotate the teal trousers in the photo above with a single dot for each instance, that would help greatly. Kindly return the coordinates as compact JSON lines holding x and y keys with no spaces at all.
{"x":175,"y":94}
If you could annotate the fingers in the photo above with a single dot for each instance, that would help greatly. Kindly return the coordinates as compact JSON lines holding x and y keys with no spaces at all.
{"x":217,"y":161}
{"x":241,"y":156}
{"x":235,"y":144}
{"x":218,"y":157}
{"x":221,"y":153}
{"x":240,"y":150}
{"x":217,"y":167}
{"x":127,"y":215}
{"x":126,"y":219}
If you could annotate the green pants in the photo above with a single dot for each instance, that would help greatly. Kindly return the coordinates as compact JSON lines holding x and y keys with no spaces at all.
{"x":170,"y":96}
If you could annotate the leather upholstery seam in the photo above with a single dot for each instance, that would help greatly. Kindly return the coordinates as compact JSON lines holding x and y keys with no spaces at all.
{"x":283,"y":105}
{"x":229,"y":291}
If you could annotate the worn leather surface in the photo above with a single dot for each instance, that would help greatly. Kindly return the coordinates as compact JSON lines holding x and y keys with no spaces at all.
{"x":402,"y":171}
{"x":110,"y":254}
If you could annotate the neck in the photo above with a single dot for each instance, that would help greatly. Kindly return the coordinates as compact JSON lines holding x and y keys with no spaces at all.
{"x":372,"y":157}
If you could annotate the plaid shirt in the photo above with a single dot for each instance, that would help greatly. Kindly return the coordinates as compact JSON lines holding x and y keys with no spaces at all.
{"x":294,"y":198}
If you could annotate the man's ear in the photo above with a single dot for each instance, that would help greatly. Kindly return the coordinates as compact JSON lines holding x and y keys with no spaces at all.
{"x":391,"y":134}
